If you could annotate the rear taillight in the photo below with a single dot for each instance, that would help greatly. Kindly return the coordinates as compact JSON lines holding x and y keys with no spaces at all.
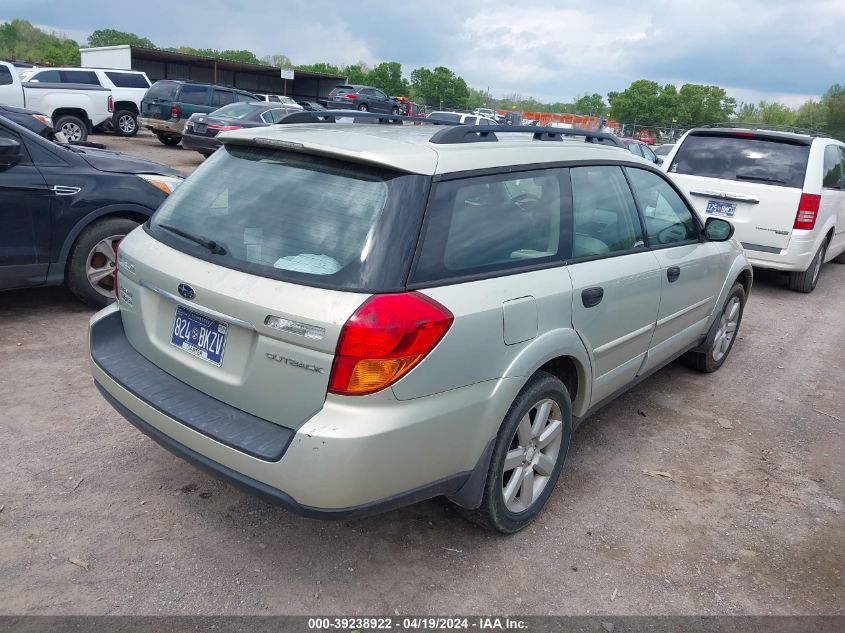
{"x":223,"y":128}
{"x":111,"y":103}
{"x":350,"y":95}
{"x":175,"y":112}
{"x":385,"y":339}
{"x":808,"y":210}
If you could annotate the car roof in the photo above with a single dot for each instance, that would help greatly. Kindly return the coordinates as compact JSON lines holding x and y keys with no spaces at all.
{"x":408,"y":148}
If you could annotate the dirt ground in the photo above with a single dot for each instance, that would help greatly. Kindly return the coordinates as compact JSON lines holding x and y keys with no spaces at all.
{"x":97,"y":519}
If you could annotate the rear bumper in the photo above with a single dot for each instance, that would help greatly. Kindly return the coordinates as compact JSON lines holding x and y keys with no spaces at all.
{"x":795,"y":257}
{"x":202,"y":144}
{"x":162,"y":126}
{"x":356,"y":456}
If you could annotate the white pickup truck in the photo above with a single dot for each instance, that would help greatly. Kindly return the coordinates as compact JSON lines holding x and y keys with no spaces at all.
{"x":74,"y":108}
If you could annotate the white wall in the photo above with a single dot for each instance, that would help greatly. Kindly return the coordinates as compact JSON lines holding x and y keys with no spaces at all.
{"x":118,"y":57}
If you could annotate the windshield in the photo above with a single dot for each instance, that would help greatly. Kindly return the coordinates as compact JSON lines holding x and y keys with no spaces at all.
{"x":237,"y":110}
{"x":744,"y":158}
{"x":295,"y":217}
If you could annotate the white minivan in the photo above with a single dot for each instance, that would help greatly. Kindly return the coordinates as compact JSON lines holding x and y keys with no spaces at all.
{"x":784,"y":193}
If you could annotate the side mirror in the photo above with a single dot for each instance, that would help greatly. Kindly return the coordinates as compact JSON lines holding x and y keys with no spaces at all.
{"x":718,"y":230}
{"x":10,"y":152}
{"x":659,"y":160}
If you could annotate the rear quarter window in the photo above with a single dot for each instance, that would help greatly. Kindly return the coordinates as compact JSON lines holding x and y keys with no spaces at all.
{"x":195,"y":95}
{"x":128,"y":80}
{"x":743,"y":158}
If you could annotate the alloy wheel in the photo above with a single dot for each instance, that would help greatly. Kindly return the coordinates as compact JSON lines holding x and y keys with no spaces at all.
{"x":100,"y":265}
{"x":126,"y":123}
{"x":727,"y":328}
{"x":72,"y":131}
{"x":533,"y":454}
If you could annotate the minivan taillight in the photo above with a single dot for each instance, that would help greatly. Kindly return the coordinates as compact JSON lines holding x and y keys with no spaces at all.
{"x":808,"y":210}
{"x":175,"y":112}
{"x":385,"y":339}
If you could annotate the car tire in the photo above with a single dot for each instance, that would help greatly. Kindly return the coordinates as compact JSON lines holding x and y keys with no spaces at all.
{"x":94,"y":253}
{"x":72,"y":127}
{"x":806,"y":281}
{"x":167,"y":139}
{"x":125,"y":123}
{"x":503,"y":507}
{"x":364,"y":107}
{"x":714,"y":356}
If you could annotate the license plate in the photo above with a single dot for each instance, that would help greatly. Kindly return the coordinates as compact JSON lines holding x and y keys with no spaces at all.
{"x":199,"y":335}
{"x":717,"y":207}
{"x":200,"y":128}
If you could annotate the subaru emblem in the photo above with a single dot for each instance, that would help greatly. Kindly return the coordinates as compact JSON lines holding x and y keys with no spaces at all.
{"x":186,"y":291}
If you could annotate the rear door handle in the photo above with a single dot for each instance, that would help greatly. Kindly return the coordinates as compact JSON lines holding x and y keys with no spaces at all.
{"x":591,"y":297}
{"x":672,"y":273}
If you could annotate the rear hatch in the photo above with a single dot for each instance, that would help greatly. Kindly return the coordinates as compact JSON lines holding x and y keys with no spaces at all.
{"x":158,"y":100}
{"x":243,"y":279}
{"x":752,"y":179}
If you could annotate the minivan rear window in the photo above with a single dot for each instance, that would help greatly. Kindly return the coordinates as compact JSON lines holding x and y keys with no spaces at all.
{"x":162,"y":90}
{"x":295,"y":217}
{"x":759,"y":160}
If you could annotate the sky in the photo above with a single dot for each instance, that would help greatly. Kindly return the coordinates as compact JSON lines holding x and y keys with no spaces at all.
{"x":780,"y":50}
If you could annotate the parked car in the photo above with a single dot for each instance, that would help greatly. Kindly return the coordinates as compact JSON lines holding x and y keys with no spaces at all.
{"x":127,"y":87}
{"x":287,"y":101}
{"x":460,"y":117}
{"x":169,"y":103}
{"x":75,"y":109}
{"x":364,"y":98}
{"x":639,"y":148}
{"x":487,"y":113}
{"x":662,"y":151}
{"x":784,"y":193}
{"x":201,"y":130}
{"x":432,"y":320}
{"x":312,"y":106}
{"x":64,"y":209}
{"x":33,"y":121}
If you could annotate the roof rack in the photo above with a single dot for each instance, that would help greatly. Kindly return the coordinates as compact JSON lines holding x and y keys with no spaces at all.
{"x":771,"y":127}
{"x":487,"y":133}
{"x":331,"y":116}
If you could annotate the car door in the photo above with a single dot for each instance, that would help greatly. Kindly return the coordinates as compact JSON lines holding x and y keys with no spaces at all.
{"x":383,"y":101}
{"x":615,"y":277}
{"x":24,"y":220}
{"x":832,"y":202}
{"x":692,"y":270}
{"x":648,"y":154}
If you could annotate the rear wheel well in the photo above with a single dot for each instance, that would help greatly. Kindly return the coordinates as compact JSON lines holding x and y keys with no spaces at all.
{"x":58,"y":112}
{"x":564,"y":369}
{"x":126,"y":105}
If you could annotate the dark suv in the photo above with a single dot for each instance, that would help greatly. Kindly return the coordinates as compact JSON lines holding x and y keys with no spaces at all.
{"x":64,"y":208}
{"x":364,"y":98}
{"x":170,"y":102}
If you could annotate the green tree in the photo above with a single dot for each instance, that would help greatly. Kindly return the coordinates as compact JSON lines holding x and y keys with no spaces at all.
{"x":20,"y":40}
{"x":811,"y":115}
{"x":638,"y":103}
{"x":834,"y":101}
{"x":387,"y":76}
{"x":111,"y":37}
{"x":278,"y":60}
{"x":703,"y":105}
{"x":592,"y":105}
{"x":439,"y":88}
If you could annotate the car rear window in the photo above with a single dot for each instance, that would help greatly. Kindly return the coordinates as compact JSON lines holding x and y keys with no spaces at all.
{"x":5,"y":76}
{"x":300,"y":218}
{"x":341,"y":89}
{"x":162,"y":90}
{"x":128,"y":80}
{"x":446,"y":116}
{"x":761,"y":160}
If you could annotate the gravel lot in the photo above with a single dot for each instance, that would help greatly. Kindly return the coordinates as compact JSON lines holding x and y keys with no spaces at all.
{"x":97,"y":519}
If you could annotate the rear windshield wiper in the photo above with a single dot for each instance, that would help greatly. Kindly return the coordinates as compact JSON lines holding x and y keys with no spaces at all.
{"x":760,"y":178}
{"x":215,"y":247}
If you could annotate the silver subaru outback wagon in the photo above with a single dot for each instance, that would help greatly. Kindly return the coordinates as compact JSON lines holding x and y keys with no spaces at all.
{"x":348,"y":319}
